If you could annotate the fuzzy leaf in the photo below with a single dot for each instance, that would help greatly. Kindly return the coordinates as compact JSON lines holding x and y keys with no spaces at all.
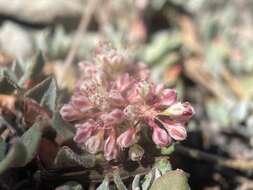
{"x":163,"y":165}
{"x":136,"y":183}
{"x":161,"y":45}
{"x":3,"y":147}
{"x":33,"y":68}
{"x":17,"y":69}
{"x":31,"y":139}
{"x":15,"y":157}
{"x":72,"y":185}
{"x":168,"y":150}
{"x":62,"y":128}
{"x":7,"y":84}
{"x":104,"y":185}
{"x":148,"y":180}
{"x":45,"y":93}
{"x":118,"y":181}
{"x":173,"y":180}
{"x":66,"y":157}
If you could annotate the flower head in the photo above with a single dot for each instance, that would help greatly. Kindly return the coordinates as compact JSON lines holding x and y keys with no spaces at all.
{"x":114,"y":98}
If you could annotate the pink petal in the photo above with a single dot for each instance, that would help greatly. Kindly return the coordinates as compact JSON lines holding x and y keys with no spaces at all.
{"x":169,"y":96}
{"x":81,"y":102}
{"x":177,"y":131}
{"x":116,"y":98}
{"x":133,"y":96}
{"x":95,"y":143}
{"x":160,"y":137}
{"x":69,"y":113}
{"x":158,"y":89}
{"x":127,"y":138}
{"x":143,"y":71}
{"x":87,"y":67}
{"x":124,"y":82}
{"x":113,"y":118}
{"x":180,"y":111}
{"x":82,"y":135}
{"x":90,"y":123}
{"x":110,"y":147}
{"x":131,"y":112}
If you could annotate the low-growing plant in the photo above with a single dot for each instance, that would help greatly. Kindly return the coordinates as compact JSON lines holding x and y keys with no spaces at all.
{"x":102,"y":134}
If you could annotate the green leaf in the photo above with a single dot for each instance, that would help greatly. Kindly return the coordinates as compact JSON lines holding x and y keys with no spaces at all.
{"x":118,"y":181}
{"x":33,"y":67}
{"x":163,"y":165}
{"x":104,"y":185}
{"x":17,"y":69}
{"x":66,"y":157}
{"x":3,"y":147}
{"x":161,"y":45}
{"x":45,"y":93}
{"x":7,"y":84}
{"x":173,"y":180}
{"x":31,"y":139}
{"x":168,"y":150}
{"x":15,"y":157}
{"x":62,"y":128}
{"x":136,"y":183}
{"x":72,"y":185}
{"x":148,"y":179}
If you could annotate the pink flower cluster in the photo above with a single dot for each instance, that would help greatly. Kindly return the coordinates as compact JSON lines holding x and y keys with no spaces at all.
{"x":115,"y":98}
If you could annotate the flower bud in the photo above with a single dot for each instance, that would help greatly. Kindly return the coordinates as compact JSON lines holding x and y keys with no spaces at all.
{"x":113,"y":118}
{"x":124,"y":82}
{"x":177,"y":131}
{"x":84,"y":131}
{"x":168,"y":97}
{"x":160,"y":137}
{"x":110,"y":148}
{"x":144,"y":89}
{"x":183,"y":111}
{"x":136,"y":152}
{"x":88,"y":69}
{"x":69,"y":113}
{"x":81,"y":102}
{"x":128,"y":138}
{"x":158,"y":89}
{"x":131,"y":112}
{"x":116,"y":98}
{"x":95,"y":143}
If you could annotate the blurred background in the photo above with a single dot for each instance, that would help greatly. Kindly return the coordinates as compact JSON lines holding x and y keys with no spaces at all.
{"x":203,"y":48}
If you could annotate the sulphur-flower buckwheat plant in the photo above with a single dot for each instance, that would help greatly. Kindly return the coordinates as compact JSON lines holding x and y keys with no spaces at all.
{"x":115,"y":98}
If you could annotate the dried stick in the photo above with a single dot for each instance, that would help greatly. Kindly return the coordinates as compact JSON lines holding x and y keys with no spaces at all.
{"x":200,"y":155}
{"x":83,"y":25}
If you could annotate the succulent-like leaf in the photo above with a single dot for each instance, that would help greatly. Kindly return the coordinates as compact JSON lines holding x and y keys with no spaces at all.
{"x":118,"y":181}
{"x":162,"y":43}
{"x":168,"y":150}
{"x":148,"y":180}
{"x":15,"y":157}
{"x":66,"y":157}
{"x":3,"y":147}
{"x":72,"y":185}
{"x":104,"y":185}
{"x":136,"y":183}
{"x":31,"y":139}
{"x":45,"y":93}
{"x":173,"y":180}
{"x":62,"y":128}
{"x":163,"y":165}
{"x":7,"y":84}
{"x":17,"y":69}
{"x":33,"y":68}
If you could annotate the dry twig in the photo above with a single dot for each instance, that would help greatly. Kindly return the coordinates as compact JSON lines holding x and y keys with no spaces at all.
{"x":200,"y":155}
{"x":83,"y":25}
